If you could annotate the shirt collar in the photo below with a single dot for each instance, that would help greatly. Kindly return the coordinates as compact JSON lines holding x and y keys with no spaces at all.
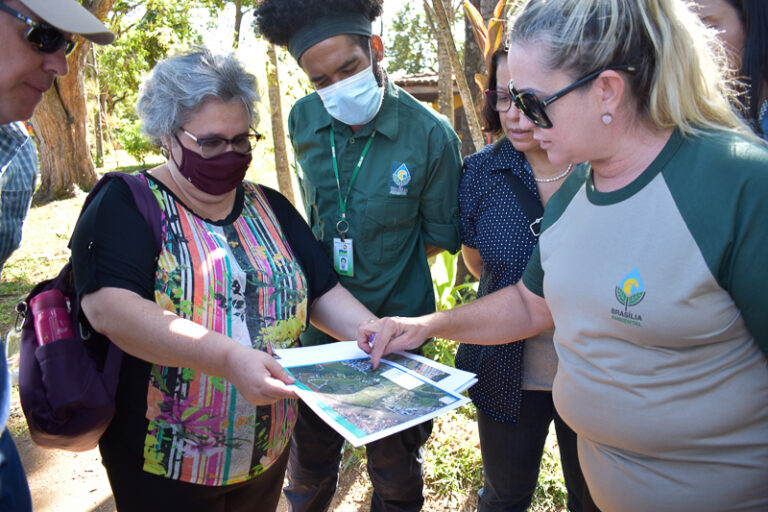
{"x":506,"y":157}
{"x":16,"y":131}
{"x":12,"y":137}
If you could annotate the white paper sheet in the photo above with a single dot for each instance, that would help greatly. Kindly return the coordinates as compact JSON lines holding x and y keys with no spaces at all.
{"x":364,"y":405}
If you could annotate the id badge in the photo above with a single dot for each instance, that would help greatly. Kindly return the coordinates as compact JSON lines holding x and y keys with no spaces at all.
{"x":343,"y":257}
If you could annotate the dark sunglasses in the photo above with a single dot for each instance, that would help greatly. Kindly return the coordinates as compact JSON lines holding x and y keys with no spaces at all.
{"x":42,"y":36}
{"x":499,"y":101}
{"x":533,"y":107}
{"x":215,"y":146}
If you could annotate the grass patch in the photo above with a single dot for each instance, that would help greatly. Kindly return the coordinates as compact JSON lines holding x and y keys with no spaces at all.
{"x":452,"y":462}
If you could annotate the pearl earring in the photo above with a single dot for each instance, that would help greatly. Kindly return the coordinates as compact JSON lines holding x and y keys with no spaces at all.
{"x":607,"y":119}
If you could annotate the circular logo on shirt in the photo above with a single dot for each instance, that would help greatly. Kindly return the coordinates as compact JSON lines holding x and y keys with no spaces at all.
{"x":401,"y":177}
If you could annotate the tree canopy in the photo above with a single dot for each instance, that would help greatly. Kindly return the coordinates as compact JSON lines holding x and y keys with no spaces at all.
{"x":411,"y":48}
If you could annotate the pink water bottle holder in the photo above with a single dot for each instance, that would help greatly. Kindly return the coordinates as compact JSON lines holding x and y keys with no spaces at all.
{"x":51,"y":315}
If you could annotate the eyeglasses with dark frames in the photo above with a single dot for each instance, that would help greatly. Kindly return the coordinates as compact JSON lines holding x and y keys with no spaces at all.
{"x":499,"y":101}
{"x":214,"y":146}
{"x":42,"y":36}
{"x":533,"y":108}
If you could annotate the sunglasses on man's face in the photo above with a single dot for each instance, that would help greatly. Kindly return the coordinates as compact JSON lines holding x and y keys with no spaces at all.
{"x":533,"y":108}
{"x":42,"y":36}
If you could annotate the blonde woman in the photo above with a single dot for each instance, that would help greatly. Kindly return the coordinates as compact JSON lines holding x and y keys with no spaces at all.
{"x":650,"y":263}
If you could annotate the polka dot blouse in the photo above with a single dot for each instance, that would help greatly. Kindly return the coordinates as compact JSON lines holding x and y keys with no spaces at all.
{"x":493,"y":223}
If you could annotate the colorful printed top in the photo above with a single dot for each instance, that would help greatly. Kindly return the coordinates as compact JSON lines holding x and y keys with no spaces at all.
{"x":250,"y":276}
{"x":658,"y":296}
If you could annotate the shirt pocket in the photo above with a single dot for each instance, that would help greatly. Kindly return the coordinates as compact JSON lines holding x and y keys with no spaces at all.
{"x":389,"y":225}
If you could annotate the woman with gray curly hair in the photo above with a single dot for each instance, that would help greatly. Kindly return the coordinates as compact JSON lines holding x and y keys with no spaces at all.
{"x":204,"y":413}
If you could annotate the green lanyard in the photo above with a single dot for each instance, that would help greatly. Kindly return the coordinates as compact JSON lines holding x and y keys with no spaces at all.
{"x":342,"y":226}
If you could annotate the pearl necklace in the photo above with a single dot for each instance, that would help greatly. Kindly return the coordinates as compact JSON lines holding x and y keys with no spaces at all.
{"x":555,"y":178}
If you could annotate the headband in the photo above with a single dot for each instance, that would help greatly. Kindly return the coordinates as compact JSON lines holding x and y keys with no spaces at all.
{"x":325,"y":27}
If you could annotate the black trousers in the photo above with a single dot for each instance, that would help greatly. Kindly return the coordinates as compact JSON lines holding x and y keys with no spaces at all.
{"x":138,"y":491}
{"x":512,"y":454}
{"x":394,"y":465}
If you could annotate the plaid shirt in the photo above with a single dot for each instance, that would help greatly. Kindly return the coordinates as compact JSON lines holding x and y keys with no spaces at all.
{"x":18,"y":170}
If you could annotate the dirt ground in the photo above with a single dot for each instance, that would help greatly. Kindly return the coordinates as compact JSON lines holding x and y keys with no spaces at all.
{"x":62,"y":481}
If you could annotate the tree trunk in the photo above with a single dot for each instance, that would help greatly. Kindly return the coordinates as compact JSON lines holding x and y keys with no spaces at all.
{"x":473,"y":63}
{"x":97,"y":118}
{"x":445,"y":74}
{"x":444,"y":32}
{"x":60,"y":122}
{"x":238,"y":22}
{"x":282,"y":168}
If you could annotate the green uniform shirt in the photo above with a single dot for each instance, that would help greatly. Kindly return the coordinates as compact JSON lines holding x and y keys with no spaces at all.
{"x":404,"y":196}
{"x":658,"y":295}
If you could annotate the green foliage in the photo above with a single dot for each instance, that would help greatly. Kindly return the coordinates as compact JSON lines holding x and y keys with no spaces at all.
{"x":413,"y":49}
{"x":216,"y":6}
{"x":352,"y":457}
{"x":447,"y":296}
{"x":452,"y":461}
{"x":550,"y":492}
{"x":242,"y":7}
{"x":147,"y":31}
{"x":134,"y":142}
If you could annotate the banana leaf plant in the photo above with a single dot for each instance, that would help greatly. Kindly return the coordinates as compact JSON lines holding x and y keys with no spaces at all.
{"x":488,"y":37}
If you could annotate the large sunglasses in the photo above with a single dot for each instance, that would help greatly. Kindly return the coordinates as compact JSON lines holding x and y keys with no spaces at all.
{"x":42,"y":36}
{"x":215,"y":146}
{"x":533,"y":107}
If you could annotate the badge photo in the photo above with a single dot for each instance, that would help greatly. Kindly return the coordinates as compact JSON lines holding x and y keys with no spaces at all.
{"x":343,"y":257}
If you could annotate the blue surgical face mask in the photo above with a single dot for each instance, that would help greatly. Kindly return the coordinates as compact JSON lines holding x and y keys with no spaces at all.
{"x":355,"y":100}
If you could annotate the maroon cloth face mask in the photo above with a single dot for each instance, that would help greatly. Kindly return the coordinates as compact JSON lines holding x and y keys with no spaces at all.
{"x":215,"y":176}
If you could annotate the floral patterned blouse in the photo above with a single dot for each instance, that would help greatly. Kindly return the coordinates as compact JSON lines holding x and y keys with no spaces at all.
{"x":240,"y":277}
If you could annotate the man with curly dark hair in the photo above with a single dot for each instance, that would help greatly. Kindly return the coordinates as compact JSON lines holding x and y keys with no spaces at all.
{"x":379,"y":177}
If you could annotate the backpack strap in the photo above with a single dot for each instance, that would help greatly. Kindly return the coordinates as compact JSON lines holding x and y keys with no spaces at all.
{"x":146,"y":202}
{"x":142,"y":195}
{"x":528,"y":202}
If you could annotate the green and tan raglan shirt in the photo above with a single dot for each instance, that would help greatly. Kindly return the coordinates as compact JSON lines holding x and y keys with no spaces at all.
{"x":659,"y":293}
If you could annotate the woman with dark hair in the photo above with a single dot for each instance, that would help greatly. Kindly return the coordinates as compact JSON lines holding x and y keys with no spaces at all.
{"x":513,"y":394}
{"x":743,"y":29}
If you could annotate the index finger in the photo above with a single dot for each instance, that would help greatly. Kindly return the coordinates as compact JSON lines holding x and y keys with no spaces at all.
{"x":383,"y":338}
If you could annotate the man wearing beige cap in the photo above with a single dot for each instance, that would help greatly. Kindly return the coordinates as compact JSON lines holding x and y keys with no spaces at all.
{"x":37,"y":37}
